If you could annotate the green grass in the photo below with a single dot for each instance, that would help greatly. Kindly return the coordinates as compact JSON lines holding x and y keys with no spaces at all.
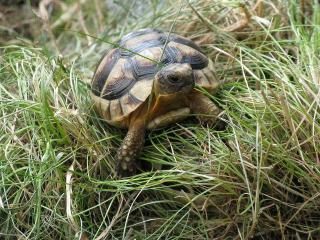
{"x":257,"y":178}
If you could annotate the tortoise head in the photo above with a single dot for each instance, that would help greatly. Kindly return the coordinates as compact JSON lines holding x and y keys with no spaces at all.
{"x":174,"y":78}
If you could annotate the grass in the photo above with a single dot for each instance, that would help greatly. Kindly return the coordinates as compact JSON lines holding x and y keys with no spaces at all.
{"x":257,"y":178}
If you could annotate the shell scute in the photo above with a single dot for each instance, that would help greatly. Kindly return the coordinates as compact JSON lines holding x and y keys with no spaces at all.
{"x":104,"y":67}
{"x":138,"y":44}
{"x":184,"y":41}
{"x":136,"y":34}
{"x":119,"y":81}
{"x":129,"y":103}
{"x":188,"y":54}
{"x":141,"y":90}
{"x":142,"y":68}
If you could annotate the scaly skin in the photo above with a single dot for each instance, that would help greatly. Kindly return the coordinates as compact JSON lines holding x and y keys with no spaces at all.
{"x":130,"y":149}
{"x":206,"y":111}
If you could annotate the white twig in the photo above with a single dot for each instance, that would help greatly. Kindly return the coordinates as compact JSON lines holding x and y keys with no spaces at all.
{"x":69,"y":179}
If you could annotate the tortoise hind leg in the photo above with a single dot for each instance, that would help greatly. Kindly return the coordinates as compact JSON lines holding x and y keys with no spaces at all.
{"x":130,"y":149}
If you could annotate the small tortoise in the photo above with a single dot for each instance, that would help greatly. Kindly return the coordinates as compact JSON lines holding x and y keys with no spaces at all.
{"x":149,"y":82}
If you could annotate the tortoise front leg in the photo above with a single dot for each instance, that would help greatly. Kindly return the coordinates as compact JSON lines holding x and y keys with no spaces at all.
{"x":206,"y":111}
{"x":130,"y":149}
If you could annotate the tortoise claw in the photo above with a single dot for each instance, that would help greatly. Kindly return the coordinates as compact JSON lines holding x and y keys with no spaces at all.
{"x":123,"y":172}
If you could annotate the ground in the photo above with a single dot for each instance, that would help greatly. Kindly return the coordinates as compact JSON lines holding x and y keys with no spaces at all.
{"x":257,"y":177}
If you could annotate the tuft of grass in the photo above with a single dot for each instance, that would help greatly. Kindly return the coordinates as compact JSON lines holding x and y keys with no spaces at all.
{"x":259,"y":177}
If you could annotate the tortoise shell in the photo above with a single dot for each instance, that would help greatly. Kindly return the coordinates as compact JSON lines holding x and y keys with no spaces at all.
{"x":124,"y":76}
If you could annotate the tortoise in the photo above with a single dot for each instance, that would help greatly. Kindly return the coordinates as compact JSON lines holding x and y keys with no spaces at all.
{"x":150,"y":80}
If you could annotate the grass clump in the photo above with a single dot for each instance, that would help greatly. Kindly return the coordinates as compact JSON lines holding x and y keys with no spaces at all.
{"x":257,"y":178}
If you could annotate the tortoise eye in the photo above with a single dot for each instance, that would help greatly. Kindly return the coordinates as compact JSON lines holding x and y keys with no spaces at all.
{"x":173,"y":79}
